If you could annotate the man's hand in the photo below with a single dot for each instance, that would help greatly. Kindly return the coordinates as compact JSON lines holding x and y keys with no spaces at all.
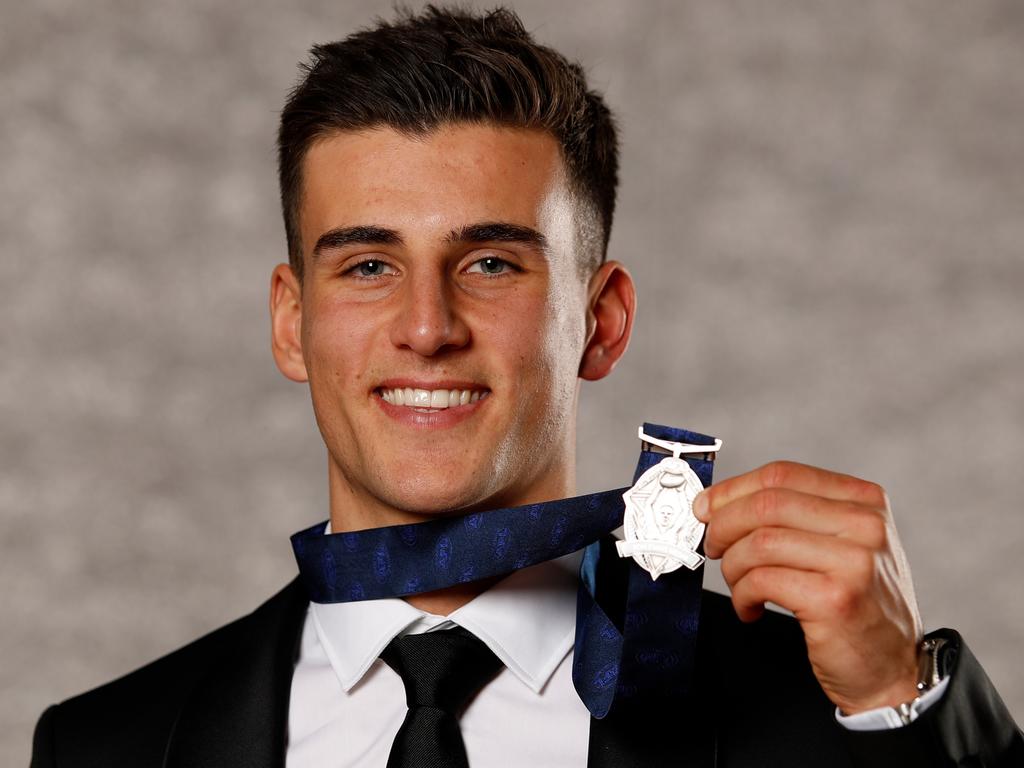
{"x":822,"y":545}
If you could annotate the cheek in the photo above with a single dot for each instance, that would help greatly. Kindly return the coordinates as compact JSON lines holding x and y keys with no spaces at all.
{"x":565,"y":335}
{"x":335,"y":345}
{"x":547,"y":343}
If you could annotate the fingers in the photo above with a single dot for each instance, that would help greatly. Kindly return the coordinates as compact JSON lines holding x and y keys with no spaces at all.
{"x":822,"y":545}
{"x":788,"y":587}
{"x":785,"y":547}
{"x":792,"y":476}
{"x":784,"y":508}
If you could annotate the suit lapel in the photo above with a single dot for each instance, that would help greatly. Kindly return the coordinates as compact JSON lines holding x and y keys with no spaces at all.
{"x":237,"y":715}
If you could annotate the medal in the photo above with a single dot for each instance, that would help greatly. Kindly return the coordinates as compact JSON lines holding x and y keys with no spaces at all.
{"x":662,"y":533}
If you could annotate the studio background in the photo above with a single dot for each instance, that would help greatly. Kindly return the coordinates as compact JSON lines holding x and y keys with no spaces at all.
{"x":821,"y":204}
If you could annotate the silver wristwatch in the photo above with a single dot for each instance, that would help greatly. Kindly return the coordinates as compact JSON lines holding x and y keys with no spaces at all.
{"x":928,"y":675}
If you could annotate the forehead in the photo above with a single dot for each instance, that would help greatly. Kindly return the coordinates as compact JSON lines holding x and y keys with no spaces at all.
{"x":451,"y":176}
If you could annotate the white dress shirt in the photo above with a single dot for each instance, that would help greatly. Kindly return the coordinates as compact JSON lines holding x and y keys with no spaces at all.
{"x":347,"y":705}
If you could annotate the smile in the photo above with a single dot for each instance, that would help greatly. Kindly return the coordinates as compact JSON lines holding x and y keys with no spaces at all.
{"x":431,"y":399}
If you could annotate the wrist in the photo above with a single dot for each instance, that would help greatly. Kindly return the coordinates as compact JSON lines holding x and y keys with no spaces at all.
{"x":893,"y":696}
{"x":903,"y":695}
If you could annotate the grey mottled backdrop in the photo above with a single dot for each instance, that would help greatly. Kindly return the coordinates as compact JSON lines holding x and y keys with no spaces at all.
{"x":821,"y":202}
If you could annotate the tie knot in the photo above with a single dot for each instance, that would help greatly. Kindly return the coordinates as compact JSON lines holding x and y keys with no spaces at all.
{"x":442,"y":669}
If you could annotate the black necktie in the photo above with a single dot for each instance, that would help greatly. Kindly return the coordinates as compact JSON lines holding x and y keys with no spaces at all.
{"x":441,"y":672}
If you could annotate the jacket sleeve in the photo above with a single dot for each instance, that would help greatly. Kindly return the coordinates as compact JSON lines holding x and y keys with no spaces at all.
{"x":969,"y":727}
{"x":42,"y":741}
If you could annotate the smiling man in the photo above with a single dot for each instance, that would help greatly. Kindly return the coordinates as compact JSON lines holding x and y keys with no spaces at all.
{"x":448,"y":188}
{"x":445,"y":303}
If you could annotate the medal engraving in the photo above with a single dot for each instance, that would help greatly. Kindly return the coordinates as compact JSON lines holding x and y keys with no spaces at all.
{"x":661,"y":532}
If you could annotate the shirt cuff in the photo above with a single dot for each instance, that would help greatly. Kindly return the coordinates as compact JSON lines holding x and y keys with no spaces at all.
{"x":885,"y":718}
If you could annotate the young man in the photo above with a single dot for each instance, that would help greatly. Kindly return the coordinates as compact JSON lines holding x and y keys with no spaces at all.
{"x":448,"y":189}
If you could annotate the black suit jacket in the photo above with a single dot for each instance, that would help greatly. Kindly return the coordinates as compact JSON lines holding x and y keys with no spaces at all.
{"x":223,"y":701}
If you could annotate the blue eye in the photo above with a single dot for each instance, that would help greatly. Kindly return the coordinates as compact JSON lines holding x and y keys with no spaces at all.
{"x":490,"y":266}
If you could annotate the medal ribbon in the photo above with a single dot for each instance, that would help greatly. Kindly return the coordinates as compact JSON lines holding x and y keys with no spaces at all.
{"x":636,"y":638}
{"x":633,"y":635}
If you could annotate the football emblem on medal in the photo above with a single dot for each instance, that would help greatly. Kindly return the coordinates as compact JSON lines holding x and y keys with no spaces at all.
{"x":661,"y":532}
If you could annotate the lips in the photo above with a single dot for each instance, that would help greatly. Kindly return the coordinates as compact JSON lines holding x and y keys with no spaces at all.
{"x":432,"y":399}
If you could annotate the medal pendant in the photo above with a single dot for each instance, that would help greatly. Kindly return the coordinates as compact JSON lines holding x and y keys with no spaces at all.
{"x":662,"y":533}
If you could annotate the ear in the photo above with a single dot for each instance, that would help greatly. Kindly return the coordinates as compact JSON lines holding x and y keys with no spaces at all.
{"x":611,"y":306}
{"x":286,"y":323}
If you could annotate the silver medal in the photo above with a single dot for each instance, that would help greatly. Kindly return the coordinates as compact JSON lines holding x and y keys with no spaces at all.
{"x":662,"y":533}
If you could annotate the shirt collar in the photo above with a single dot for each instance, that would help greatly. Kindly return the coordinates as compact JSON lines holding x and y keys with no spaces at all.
{"x":528,"y":619}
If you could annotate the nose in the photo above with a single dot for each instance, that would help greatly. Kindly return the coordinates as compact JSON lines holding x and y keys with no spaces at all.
{"x":428,"y":323}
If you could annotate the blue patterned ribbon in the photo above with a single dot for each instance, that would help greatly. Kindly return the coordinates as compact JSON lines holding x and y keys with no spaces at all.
{"x":636,"y":638}
{"x":400,"y":560}
{"x":633,"y":635}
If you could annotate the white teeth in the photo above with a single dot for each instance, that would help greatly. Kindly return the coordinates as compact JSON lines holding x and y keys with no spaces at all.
{"x":434,"y":399}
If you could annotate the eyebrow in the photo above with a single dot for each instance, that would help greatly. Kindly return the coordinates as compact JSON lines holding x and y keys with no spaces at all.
{"x":488,"y":231}
{"x":365,"y":235}
{"x":500,"y":232}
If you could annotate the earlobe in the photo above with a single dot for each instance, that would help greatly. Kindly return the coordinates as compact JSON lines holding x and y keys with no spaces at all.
{"x":286,"y":323}
{"x":611,"y":309}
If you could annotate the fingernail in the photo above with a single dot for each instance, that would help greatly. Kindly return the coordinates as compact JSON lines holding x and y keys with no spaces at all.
{"x":700,"y":506}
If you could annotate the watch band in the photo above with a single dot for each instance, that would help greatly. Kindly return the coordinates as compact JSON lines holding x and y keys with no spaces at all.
{"x":929,"y":675}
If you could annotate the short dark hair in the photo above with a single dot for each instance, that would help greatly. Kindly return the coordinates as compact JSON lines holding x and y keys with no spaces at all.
{"x":448,"y":65}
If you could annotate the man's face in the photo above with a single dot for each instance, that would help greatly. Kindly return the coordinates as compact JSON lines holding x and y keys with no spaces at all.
{"x":441,"y":270}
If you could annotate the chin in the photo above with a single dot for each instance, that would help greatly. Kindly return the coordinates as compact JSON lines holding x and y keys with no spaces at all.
{"x":434,"y":486}
{"x":434,"y":495}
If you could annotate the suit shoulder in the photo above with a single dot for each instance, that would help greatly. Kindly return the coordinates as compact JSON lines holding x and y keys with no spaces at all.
{"x":167,"y":673}
{"x":144,"y":703}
